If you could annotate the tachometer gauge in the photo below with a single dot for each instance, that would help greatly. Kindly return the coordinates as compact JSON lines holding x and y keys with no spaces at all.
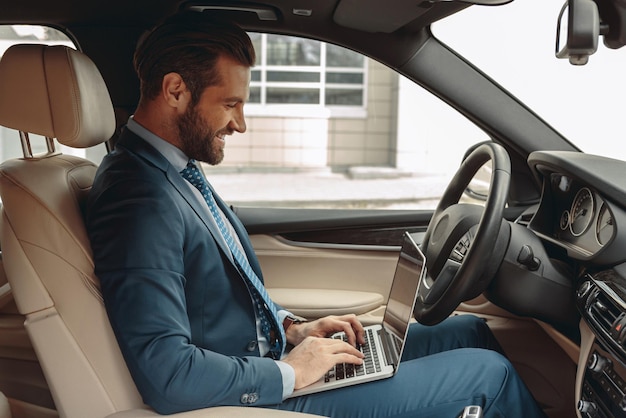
{"x":581,"y":213}
{"x":604,"y":225}
{"x":564,"y":221}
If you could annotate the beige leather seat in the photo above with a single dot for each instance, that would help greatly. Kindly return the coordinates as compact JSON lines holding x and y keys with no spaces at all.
{"x":5,"y":411}
{"x":58,"y":92}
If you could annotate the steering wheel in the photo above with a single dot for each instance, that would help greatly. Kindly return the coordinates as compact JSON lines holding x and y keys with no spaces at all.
{"x":464,"y":244}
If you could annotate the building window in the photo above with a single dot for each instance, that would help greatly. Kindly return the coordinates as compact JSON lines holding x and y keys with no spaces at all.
{"x":293,"y":71}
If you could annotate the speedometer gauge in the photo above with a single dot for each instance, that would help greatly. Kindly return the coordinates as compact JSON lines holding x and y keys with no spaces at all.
{"x":581,"y":213}
{"x":604,"y":225}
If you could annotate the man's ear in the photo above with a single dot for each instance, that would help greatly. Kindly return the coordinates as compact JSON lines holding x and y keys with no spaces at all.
{"x":175,"y":92}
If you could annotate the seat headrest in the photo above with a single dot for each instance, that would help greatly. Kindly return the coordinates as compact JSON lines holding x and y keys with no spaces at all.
{"x":56,"y":92}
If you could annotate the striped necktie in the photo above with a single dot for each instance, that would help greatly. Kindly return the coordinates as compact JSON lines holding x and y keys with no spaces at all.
{"x":265,"y":308}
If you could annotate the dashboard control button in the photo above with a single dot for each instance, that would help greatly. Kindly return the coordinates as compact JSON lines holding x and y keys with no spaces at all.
{"x":526,"y":257}
{"x":588,"y":408}
{"x":597,"y":363}
{"x":618,"y":326}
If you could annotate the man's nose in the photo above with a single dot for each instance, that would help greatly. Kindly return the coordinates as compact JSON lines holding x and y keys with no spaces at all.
{"x":238,"y":123}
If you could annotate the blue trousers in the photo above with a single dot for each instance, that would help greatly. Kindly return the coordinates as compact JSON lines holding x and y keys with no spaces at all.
{"x":444,"y":368}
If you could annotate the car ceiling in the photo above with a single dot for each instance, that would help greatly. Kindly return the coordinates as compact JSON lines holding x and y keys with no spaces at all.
{"x":379,"y":16}
{"x":367,"y":15}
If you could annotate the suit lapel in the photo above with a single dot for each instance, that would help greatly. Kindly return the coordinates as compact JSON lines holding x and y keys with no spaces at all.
{"x":143,"y":150}
{"x":181,"y":185}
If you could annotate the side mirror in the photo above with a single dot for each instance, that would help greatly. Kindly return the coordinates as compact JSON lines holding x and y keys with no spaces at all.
{"x":578,"y":30}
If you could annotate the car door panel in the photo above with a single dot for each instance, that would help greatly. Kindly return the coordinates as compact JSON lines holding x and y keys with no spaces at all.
{"x":330,"y":262}
{"x":314,"y":281}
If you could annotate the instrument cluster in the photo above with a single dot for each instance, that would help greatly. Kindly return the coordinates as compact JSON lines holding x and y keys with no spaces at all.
{"x":584,"y":218}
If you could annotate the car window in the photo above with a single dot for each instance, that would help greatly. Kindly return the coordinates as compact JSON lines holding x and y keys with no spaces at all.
{"x":330,"y":128}
{"x":10,"y":145}
{"x":584,"y":103}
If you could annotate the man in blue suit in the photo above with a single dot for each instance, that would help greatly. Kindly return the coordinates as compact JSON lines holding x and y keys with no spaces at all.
{"x":184,"y":290}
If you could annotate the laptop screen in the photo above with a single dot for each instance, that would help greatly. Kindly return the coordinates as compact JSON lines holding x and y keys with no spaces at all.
{"x":409,"y":271}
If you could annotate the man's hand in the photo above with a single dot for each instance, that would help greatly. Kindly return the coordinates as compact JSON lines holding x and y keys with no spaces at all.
{"x":327,"y":326}
{"x":314,"y":356}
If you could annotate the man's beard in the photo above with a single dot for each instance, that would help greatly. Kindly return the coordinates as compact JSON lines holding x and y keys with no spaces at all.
{"x":197,"y":139}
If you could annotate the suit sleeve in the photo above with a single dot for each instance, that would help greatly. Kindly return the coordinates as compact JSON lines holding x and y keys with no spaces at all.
{"x":137,"y":233}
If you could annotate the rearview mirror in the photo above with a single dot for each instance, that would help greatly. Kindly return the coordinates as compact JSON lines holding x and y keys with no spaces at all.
{"x":578,"y":30}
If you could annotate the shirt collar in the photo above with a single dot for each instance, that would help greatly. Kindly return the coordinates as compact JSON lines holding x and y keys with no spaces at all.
{"x":174,"y":155}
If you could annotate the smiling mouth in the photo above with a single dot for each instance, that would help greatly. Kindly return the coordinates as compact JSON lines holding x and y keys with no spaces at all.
{"x":222,"y":136}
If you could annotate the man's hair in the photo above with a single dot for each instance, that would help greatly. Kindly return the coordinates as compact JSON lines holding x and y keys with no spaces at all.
{"x":190,"y":45}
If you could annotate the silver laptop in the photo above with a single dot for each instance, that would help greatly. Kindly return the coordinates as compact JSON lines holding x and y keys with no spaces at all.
{"x":385,"y":342}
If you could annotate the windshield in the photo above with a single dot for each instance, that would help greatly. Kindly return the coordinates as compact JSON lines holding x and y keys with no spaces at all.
{"x":514,"y":44}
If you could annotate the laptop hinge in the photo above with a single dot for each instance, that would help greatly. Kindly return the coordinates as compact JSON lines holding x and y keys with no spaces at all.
{"x":389,"y":347}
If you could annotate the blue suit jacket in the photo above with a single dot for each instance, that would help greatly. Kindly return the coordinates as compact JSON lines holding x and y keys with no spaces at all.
{"x":177,"y":304}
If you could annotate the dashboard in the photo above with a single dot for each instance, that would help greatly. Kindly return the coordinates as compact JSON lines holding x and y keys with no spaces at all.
{"x":583,"y":212}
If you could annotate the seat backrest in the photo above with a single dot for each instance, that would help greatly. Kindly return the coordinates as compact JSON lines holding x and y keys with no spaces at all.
{"x":5,"y":411}
{"x":58,"y":92}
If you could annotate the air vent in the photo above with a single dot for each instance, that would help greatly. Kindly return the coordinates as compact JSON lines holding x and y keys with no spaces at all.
{"x":604,"y":312}
{"x":609,"y":320}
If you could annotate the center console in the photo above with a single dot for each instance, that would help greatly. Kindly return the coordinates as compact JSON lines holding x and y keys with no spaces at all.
{"x":601,"y":300}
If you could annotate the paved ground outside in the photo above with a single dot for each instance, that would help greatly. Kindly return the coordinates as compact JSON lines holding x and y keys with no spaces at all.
{"x":370,"y":188}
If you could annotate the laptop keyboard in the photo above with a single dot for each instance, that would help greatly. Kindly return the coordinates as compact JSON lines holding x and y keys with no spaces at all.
{"x":371,"y":362}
